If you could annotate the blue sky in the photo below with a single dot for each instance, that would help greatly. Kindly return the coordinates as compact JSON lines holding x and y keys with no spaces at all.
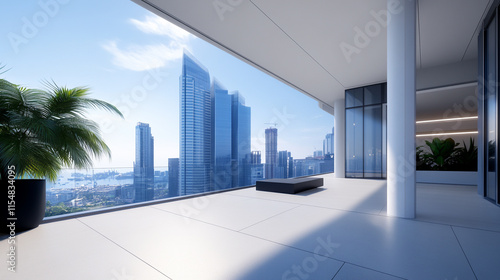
{"x":132,"y":59}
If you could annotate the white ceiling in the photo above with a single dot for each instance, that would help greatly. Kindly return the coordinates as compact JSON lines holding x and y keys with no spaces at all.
{"x":298,"y":41}
{"x":449,"y":102}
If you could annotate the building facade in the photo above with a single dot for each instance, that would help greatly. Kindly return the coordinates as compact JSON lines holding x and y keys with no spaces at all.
{"x":221,"y":136}
{"x":173,"y":177}
{"x":241,"y":145}
{"x":144,"y":163}
{"x":195,"y":161}
{"x":271,"y":152}
{"x":257,"y":168}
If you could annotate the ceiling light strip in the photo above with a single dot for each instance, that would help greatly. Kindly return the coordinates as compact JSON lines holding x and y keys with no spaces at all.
{"x":447,"y":133}
{"x":448,"y":120}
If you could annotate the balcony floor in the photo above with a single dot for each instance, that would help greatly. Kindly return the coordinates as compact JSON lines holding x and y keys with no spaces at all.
{"x":336,"y":232}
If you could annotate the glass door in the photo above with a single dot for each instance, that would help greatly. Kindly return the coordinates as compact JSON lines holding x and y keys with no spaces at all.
{"x":491,"y":92}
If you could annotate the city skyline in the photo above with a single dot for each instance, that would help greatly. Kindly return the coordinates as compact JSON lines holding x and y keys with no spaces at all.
{"x":132,"y":59}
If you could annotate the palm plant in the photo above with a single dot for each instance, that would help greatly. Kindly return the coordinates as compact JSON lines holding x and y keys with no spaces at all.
{"x":466,"y":157}
{"x":42,"y":131}
{"x":442,"y":152}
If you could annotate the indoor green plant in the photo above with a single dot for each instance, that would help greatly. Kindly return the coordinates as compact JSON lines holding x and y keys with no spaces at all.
{"x":42,"y":131}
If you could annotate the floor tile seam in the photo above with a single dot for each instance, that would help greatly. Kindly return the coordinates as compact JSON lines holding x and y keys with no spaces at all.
{"x":323,"y":207}
{"x":372,"y":269}
{"x":194,"y":219}
{"x":463,"y":251}
{"x":458,"y":226}
{"x":291,"y":247}
{"x":123,"y":248}
{"x":273,"y":216}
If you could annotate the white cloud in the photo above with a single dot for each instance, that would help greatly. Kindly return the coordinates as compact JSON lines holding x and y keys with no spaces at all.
{"x":146,"y":57}
{"x":159,"y":26}
{"x":142,"y":58}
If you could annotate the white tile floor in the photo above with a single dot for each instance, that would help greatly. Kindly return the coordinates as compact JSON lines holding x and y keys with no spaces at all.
{"x":336,"y":232}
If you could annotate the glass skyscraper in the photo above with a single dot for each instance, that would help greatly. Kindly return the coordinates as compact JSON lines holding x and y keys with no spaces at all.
{"x":195,"y":163}
{"x":215,"y":133}
{"x":144,"y":163}
{"x":241,"y":147}
{"x":257,"y":168}
{"x":271,"y":152}
{"x":173,"y":177}
{"x":221,"y":136}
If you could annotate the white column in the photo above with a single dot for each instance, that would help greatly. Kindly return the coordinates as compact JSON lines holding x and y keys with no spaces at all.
{"x":401,"y":64}
{"x":339,"y":138}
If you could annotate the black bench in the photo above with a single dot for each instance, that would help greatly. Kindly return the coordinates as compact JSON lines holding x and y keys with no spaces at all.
{"x":290,"y":186}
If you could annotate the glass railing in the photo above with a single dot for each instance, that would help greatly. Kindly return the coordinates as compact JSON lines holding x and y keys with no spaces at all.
{"x":93,"y":189}
{"x":84,"y":190}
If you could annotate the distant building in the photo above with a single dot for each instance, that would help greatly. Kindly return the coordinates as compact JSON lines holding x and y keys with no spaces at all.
{"x":318,"y":154}
{"x":241,"y":146}
{"x":144,"y":163}
{"x":271,"y":152}
{"x":195,"y":161}
{"x":257,"y":168}
{"x":328,"y":144}
{"x":173,"y":177}
{"x":214,"y":133}
{"x":221,"y":136}
{"x":328,"y":164}
{"x":285,"y":162}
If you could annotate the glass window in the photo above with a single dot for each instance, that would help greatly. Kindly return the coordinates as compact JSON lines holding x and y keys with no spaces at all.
{"x":373,"y":141}
{"x":354,"y":142}
{"x":373,"y":95}
{"x":354,"y":98}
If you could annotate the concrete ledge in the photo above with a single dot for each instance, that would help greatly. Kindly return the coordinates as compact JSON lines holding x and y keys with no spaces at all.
{"x":290,"y":186}
{"x":447,"y":177}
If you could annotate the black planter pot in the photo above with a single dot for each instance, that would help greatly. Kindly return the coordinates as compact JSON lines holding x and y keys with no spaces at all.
{"x":29,"y":204}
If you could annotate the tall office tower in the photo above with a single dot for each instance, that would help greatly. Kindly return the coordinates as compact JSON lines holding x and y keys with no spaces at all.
{"x":283,"y":164}
{"x":271,"y":152}
{"x":291,"y":167}
{"x":173,"y":177}
{"x":257,"y":168}
{"x":144,"y":163}
{"x":195,"y":162}
{"x":241,"y":145}
{"x":256,"y":157}
{"x":221,"y":136}
{"x":328,"y":144}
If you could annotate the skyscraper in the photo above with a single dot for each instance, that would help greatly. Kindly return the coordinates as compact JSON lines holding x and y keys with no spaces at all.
{"x":328,"y":144}
{"x":195,"y":162}
{"x":241,"y":145}
{"x":144,"y":163}
{"x":221,"y":136}
{"x":285,"y":163}
{"x":256,"y":167}
{"x":271,"y":152}
{"x":173,"y":177}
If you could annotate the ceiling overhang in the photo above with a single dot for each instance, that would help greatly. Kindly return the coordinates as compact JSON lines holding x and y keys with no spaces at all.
{"x":320,"y":47}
